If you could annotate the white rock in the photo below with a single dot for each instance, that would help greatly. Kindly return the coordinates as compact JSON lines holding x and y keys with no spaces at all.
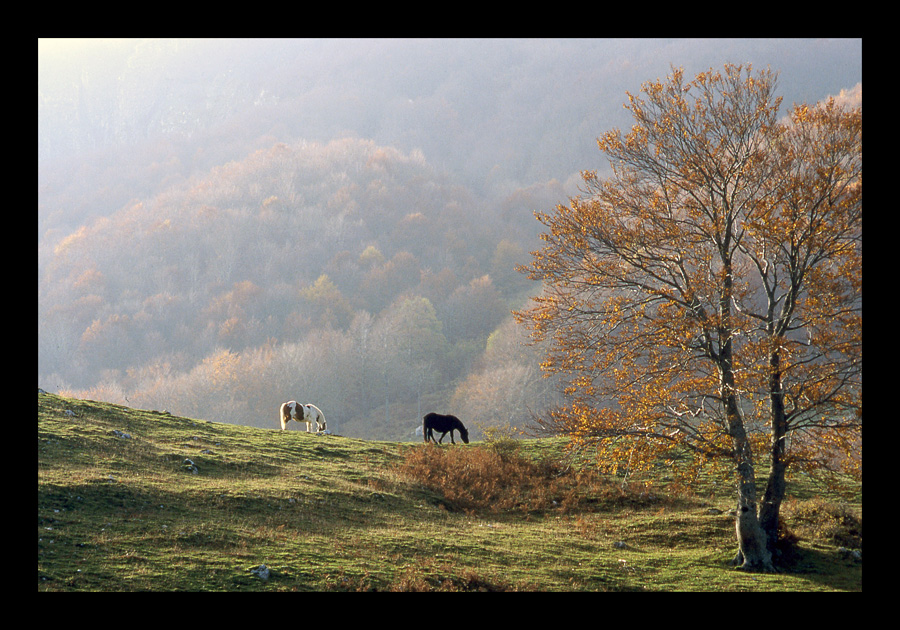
{"x":262,"y":572}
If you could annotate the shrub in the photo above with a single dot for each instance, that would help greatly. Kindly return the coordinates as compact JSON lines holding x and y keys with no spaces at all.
{"x":821,"y":520}
{"x":501,"y":480}
{"x":502,"y":440}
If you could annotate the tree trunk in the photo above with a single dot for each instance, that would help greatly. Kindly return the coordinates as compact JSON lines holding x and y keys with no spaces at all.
{"x":776,"y":485}
{"x":753,"y":553}
{"x":771,"y":505}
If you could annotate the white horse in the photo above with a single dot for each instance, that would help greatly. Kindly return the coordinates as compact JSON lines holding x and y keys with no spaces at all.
{"x":292,"y":410}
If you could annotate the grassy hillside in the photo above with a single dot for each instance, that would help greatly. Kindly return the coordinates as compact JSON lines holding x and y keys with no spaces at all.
{"x":120,"y":509}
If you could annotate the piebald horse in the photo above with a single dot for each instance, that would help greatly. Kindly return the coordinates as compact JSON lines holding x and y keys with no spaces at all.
{"x":443,"y":424}
{"x":292,"y":410}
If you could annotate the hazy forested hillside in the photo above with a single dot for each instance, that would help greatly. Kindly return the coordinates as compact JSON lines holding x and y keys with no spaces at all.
{"x":346,"y":274}
{"x":227,"y":224}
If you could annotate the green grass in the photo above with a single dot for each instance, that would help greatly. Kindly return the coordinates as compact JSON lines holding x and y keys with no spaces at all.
{"x":333,"y":513}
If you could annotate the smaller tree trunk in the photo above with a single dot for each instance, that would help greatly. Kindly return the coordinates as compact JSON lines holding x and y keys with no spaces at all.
{"x":775,"y":485}
{"x":771,"y":505}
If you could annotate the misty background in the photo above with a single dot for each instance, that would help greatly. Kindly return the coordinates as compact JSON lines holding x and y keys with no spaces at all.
{"x":224,"y":225}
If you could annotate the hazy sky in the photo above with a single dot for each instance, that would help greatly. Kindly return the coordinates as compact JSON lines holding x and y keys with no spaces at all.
{"x":526,"y":109}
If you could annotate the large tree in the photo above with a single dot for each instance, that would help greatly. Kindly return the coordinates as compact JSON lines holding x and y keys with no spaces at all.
{"x":704,"y":297}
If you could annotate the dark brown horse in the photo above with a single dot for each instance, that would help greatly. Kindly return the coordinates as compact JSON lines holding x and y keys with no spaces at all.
{"x":443,"y":424}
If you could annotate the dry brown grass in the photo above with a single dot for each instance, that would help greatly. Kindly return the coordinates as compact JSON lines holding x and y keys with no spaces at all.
{"x":485,"y":479}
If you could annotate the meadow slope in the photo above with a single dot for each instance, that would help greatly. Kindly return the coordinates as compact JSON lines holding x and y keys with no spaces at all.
{"x":132,"y":500}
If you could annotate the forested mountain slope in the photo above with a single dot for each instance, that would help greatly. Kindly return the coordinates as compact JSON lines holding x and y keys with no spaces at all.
{"x":346,"y":274}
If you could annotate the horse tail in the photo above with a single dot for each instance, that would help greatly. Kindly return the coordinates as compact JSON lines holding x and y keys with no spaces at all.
{"x":281,"y":416}
{"x":426,"y":428}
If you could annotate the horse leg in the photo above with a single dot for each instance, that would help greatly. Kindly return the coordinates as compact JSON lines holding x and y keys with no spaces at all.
{"x":451,"y":437}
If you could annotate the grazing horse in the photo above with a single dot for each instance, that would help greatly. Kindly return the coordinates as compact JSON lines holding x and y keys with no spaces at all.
{"x":292,"y":410}
{"x":443,"y":424}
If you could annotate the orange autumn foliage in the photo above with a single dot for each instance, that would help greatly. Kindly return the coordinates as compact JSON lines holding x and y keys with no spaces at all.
{"x":706,"y":296}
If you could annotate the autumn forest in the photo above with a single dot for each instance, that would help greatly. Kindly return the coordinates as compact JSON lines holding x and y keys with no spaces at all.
{"x":346,"y":274}
{"x":350,"y":250}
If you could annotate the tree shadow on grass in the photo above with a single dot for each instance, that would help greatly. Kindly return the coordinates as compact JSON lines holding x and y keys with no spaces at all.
{"x":835,"y":568}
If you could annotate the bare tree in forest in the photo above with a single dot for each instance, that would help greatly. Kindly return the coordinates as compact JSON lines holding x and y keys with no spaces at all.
{"x":706,"y":296}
